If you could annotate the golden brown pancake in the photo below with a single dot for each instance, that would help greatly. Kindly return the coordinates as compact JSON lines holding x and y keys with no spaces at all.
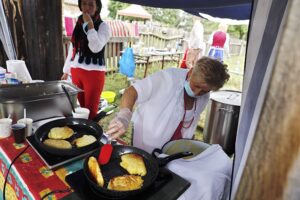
{"x":60,"y":133}
{"x":59,"y":144}
{"x":134,"y":164}
{"x":94,"y":169}
{"x":125,"y":183}
{"x":84,"y":140}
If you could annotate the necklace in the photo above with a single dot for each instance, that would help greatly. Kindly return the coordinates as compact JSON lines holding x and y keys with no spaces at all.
{"x":191,"y":121}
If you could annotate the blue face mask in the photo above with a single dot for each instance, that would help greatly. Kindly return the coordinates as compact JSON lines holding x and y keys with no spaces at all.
{"x":188,"y":89}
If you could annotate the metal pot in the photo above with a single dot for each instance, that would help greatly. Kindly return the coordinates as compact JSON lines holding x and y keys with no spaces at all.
{"x":184,"y":145}
{"x":222,"y":119}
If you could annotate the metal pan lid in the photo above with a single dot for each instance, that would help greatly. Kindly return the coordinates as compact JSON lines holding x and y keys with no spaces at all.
{"x":229,"y":97}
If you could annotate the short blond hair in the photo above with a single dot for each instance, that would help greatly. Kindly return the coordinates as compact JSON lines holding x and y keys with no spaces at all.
{"x":223,"y":27}
{"x":213,"y":72}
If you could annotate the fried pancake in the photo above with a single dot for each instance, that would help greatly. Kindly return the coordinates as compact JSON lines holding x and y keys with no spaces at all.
{"x":85,"y":140}
{"x":134,"y":164}
{"x":59,"y":144}
{"x":94,"y":169}
{"x":60,"y":133}
{"x":125,"y":183}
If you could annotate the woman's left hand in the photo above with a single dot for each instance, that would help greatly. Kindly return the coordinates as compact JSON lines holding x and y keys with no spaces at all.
{"x":64,"y":76}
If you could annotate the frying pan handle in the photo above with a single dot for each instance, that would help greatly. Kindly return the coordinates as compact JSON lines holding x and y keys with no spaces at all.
{"x":156,"y":152}
{"x":68,"y":96}
{"x":166,"y":160}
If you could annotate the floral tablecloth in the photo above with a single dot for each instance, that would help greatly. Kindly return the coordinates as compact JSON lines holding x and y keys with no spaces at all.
{"x":29,"y":177}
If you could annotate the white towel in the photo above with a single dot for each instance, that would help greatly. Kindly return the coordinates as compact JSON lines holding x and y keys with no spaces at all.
{"x":209,"y":174}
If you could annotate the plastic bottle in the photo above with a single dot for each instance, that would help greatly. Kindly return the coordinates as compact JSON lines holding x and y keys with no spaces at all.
{"x":2,"y":76}
{"x":11,"y":78}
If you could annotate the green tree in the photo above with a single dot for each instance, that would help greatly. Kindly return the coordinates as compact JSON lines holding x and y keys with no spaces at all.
{"x":114,"y":6}
{"x":168,"y":17}
{"x":238,"y":31}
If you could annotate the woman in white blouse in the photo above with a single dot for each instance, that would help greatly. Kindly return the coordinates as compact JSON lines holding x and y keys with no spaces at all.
{"x":169,"y":103}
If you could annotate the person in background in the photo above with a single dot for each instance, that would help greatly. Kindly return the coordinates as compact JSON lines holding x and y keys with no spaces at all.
{"x":196,"y":45}
{"x":85,"y":61}
{"x":219,"y":41}
{"x":169,"y":103}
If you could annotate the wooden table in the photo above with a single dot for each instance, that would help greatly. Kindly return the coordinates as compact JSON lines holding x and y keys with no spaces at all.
{"x":175,"y":56}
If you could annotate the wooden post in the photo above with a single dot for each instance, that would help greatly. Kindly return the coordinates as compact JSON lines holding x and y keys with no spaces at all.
{"x":272,"y":169}
{"x":241,"y":50}
{"x":36,"y":27}
{"x":146,"y":67}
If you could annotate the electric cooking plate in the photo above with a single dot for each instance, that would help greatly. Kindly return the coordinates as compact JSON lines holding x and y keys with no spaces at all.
{"x":167,"y":186}
{"x":53,"y":161}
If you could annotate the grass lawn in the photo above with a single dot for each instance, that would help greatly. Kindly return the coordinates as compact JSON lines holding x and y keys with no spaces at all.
{"x":115,"y":82}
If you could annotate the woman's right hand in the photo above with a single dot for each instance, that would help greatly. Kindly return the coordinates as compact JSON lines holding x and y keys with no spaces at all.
{"x":64,"y":76}
{"x":86,"y":17}
{"x":119,"y":124}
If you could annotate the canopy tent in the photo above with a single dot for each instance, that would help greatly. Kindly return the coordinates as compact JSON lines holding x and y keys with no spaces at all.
{"x":239,"y":12}
{"x":135,"y":11}
{"x":121,"y":29}
{"x":266,"y":27}
{"x":267,"y":24}
{"x":233,"y":9}
{"x":268,"y":20}
{"x":224,"y":20}
{"x":118,"y":28}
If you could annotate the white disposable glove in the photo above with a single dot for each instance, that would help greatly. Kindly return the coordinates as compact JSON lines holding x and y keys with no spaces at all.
{"x":119,"y":124}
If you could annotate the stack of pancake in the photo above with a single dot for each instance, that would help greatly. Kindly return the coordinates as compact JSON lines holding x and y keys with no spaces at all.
{"x":132,"y":163}
{"x":58,"y":138}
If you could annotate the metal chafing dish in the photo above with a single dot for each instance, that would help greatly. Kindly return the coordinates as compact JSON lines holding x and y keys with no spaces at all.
{"x":41,"y":100}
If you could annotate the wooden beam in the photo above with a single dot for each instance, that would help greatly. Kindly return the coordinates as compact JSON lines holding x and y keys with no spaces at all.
{"x":36,"y":27}
{"x":272,"y":169}
{"x":43,"y":28}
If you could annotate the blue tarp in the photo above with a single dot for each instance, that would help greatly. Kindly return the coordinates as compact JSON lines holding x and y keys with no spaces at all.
{"x":232,"y":9}
{"x":242,"y":12}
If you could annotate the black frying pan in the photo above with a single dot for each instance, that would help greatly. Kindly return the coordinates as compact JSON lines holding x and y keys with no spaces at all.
{"x":80,"y":126}
{"x":113,"y":169}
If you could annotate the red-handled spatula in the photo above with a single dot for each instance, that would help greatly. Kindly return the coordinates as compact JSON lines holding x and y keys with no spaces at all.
{"x":105,"y":152}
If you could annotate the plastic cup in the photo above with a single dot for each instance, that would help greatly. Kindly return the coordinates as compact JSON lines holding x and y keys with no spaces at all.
{"x":19,"y":132}
{"x":81,"y":113}
{"x":28,"y":122}
{"x":5,"y":127}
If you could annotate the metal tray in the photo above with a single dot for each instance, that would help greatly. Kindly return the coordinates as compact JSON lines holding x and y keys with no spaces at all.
{"x":41,"y":100}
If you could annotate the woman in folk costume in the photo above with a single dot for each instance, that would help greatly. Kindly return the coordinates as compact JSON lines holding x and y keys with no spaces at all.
{"x":85,"y":61}
{"x":219,"y":41}
{"x":196,"y":45}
